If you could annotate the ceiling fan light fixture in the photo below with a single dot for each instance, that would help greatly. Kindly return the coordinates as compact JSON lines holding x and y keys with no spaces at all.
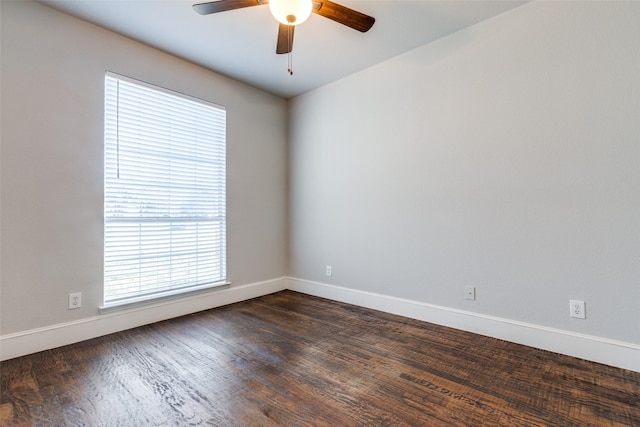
{"x":290,"y":12}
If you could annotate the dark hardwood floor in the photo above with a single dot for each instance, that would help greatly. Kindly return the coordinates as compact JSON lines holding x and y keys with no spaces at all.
{"x":296,"y":360}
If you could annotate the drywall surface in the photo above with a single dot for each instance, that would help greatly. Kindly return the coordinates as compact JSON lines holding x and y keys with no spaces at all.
{"x":53,"y":70}
{"x":504,"y":157}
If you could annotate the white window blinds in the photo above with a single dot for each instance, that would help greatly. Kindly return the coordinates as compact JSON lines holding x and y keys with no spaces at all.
{"x":165,"y":198}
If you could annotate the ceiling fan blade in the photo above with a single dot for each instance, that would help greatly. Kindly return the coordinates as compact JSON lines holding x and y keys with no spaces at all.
{"x":224,"y":5}
{"x":285,"y":38}
{"x":343,"y":15}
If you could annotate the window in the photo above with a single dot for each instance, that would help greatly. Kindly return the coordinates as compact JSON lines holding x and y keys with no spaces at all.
{"x":165,"y":195}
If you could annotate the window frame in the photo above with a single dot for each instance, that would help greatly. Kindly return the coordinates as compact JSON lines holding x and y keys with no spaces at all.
{"x":217,"y":177}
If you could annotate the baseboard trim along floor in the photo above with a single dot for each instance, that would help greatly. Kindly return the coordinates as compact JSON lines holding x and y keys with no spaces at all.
{"x":34,"y":340}
{"x":596,"y":349}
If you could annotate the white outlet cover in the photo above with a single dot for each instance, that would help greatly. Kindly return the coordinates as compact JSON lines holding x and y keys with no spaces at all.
{"x":75,"y":300}
{"x":577,"y":309}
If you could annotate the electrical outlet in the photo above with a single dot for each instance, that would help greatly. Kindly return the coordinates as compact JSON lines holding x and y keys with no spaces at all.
{"x":329,"y":271}
{"x":470,"y":293}
{"x":577,"y":309}
{"x":75,"y":300}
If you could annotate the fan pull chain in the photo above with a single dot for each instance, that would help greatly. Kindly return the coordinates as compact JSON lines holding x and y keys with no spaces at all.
{"x":290,"y":54}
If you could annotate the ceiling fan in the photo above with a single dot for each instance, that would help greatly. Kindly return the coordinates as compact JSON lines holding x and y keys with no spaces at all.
{"x":291,"y":13}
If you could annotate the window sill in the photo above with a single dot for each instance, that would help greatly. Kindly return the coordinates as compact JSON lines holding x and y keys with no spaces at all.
{"x":164,"y":297}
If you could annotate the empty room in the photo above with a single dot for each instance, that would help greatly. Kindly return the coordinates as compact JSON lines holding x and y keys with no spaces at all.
{"x":317,"y":213}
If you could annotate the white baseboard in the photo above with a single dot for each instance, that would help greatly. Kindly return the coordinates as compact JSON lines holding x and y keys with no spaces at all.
{"x":602,"y":350}
{"x":34,"y":340}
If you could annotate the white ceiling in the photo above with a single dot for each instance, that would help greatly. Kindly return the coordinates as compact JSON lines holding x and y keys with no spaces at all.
{"x":241,"y":43}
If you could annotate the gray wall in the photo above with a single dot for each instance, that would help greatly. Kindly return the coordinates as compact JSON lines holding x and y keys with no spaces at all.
{"x":505,"y":157}
{"x":52,"y":162}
